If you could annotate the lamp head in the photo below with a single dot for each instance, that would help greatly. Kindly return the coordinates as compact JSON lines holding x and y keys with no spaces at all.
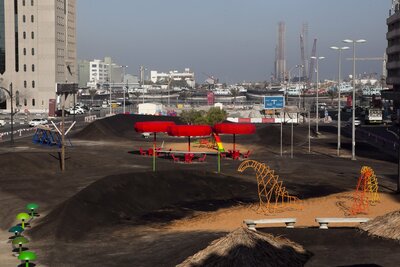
{"x":348,"y":41}
{"x":335,"y":48}
{"x":361,"y":41}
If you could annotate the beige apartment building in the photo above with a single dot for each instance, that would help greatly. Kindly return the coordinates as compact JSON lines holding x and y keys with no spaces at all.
{"x":37,"y":51}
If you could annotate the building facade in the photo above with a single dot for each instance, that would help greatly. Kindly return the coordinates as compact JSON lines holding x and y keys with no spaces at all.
{"x":104,"y":72}
{"x":393,"y":54}
{"x":187,"y":76}
{"x":37,"y":50}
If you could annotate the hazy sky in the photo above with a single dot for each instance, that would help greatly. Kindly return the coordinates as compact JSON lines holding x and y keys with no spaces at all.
{"x":233,"y":40}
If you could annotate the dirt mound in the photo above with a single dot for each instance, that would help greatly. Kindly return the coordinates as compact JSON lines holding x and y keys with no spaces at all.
{"x":270,"y":135}
{"x":118,"y":126}
{"x":244,"y":247}
{"x":140,"y":198}
{"x":386,"y":226}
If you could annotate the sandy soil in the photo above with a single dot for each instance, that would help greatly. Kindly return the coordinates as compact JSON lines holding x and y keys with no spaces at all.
{"x":336,"y":205}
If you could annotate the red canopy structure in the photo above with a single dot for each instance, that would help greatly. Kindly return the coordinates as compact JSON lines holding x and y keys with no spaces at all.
{"x":189,"y":131}
{"x":153,"y":127}
{"x":235,"y":128}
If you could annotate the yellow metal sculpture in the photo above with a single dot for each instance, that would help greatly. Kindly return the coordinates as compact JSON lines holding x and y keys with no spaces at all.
{"x":366,"y":192}
{"x":272,"y":194}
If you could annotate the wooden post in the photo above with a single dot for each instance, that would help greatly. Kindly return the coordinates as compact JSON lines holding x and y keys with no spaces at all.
{"x":62,"y":133}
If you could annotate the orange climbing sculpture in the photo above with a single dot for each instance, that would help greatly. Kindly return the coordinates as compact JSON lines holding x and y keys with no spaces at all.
{"x":366,"y":192}
{"x":272,"y":194}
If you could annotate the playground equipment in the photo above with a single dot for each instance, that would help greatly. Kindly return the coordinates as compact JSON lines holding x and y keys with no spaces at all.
{"x":219,"y":142}
{"x":366,"y":192}
{"x":45,"y":135}
{"x":272,"y":194}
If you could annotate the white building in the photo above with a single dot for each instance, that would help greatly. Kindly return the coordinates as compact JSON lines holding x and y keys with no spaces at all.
{"x":105,"y":72}
{"x":37,"y":50}
{"x":187,"y":76}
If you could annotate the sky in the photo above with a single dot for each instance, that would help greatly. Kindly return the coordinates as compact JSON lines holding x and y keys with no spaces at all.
{"x":233,"y":40}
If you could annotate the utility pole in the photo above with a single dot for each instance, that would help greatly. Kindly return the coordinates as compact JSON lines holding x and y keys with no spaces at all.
{"x":142,"y":80}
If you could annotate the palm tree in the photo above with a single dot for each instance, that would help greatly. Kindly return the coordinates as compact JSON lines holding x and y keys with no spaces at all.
{"x":234,"y":93}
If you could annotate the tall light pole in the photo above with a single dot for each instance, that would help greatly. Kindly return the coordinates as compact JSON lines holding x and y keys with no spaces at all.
{"x":353,"y":126}
{"x":142,"y":80}
{"x":339,"y":49}
{"x":317,"y":104}
{"x":124,"y":88}
{"x":109,"y":85}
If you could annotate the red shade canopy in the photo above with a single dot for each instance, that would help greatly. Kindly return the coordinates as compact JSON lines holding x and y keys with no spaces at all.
{"x":189,"y":130}
{"x":153,"y":126}
{"x":235,"y":128}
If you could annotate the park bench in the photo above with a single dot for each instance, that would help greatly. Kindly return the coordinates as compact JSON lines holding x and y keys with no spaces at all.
{"x":251,"y":224}
{"x":323,"y":222}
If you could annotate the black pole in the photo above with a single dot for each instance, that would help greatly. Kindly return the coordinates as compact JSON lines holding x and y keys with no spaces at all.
{"x":12,"y":114}
{"x":398,"y":164}
{"x":74,"y":109}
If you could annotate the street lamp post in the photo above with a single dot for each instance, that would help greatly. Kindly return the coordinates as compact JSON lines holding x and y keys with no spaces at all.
{"x":317,"y":104}
{"x":124,"y":88}
{"x":353,"y":126}
{"x":142,"y":80}
{"x":339,"y":49}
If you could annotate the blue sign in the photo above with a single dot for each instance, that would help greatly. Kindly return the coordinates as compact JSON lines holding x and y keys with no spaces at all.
{"x":274,"y":102}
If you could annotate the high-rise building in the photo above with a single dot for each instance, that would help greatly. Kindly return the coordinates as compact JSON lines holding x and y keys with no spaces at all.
{"x":37,"y":50}
{"x":280,"y":60}
{"x":393,"y":54}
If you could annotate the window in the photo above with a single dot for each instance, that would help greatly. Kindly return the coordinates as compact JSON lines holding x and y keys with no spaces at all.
{"x":17,"y":98}
{"x":32,"y":2}
{"x":32,"y":19}
{"x":25,"y":67}
{"x":33,"y":35}
{"x":24,"y":35}
{"x":33,"y":67}
{"x":23,"y":2}
{"x":24,"y":18}
{"x":33,"y":102}
{"x":25,"y":84}
{"x":25,"y":102}
{"x":33,"y":84}
{"x":33,"y":51}
{"x":24,"y":51}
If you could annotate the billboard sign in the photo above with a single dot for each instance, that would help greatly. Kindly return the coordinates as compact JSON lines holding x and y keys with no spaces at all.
{"x":274,"y":102}
{"x":66,"y":88}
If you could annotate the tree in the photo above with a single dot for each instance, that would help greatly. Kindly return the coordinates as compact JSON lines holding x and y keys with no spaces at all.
{"x":211,"y":117}
{"x":216,"y":115}
{"x":234,"y":92}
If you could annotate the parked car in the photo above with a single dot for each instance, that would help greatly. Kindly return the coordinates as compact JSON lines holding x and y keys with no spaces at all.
{"x":76,"y":110}
{"x":36,"y":122}
{"x":96,"y":108}
{"x":357,"y":121}
{"x":2,"y":123}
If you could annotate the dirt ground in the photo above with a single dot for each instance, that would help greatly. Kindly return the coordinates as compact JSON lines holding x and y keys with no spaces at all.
{"x":109,"y":208}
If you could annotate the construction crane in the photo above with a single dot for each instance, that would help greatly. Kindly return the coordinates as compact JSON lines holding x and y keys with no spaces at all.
{"x":303,"y":57}
{"x":312,"y":61}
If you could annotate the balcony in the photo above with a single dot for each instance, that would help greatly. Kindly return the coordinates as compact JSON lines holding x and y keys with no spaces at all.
{"x":393,"y":49}
{"x":393,"y":80}
{"x":393,"y":65}
{"x":393,"y":34}
{"x":394,"y":18}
